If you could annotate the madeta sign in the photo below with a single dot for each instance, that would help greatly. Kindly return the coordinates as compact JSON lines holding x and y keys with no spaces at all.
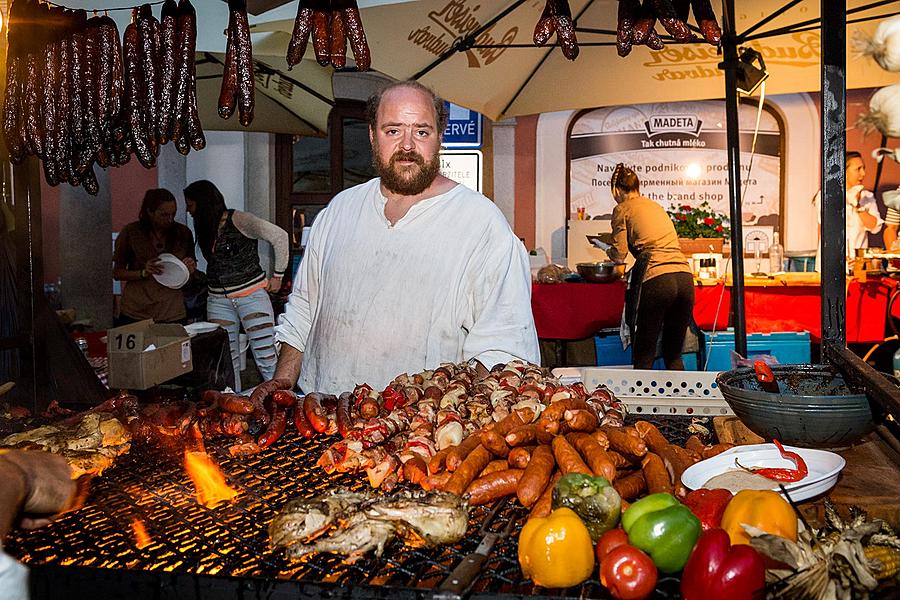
{"x":464,"y":128}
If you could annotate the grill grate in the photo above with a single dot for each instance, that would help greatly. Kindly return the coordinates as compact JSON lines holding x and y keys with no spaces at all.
{"x":232,"y":539}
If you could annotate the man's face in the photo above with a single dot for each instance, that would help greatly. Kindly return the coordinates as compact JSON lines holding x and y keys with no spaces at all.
{"x":164,"y":215}
{"x":406,"y":142}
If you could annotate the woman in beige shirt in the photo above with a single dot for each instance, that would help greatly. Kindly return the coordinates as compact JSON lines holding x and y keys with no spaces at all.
{"x":660,"y":296}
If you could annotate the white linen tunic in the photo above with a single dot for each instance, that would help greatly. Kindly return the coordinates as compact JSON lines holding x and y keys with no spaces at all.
{"x":448,"y":282}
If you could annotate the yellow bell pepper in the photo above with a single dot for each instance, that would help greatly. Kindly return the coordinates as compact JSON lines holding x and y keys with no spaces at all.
{"x":763,"y":509}
{"x":556,"y":551}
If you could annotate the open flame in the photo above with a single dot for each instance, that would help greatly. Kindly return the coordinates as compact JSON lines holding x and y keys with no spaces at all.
{"x":212,"y":489}
{"x":141,"y":537}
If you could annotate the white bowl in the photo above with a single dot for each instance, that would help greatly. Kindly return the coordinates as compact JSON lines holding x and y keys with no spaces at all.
{"x":824,"y":468}
{"x":200,"y":327}
{"x":175,"y":274}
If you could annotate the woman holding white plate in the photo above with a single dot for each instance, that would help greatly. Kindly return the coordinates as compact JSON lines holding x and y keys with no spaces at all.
{"x":150,"y":287}
{"x":238,"y":287}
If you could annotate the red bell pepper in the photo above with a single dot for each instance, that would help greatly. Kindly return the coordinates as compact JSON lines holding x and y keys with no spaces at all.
{"x":716,"y":569}
{"x":708,"y":506}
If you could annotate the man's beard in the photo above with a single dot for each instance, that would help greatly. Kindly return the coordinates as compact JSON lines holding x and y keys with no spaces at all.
{"x":408,"y":181}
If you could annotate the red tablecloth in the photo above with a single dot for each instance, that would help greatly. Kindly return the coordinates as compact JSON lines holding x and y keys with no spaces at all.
{"x":572,"y":311}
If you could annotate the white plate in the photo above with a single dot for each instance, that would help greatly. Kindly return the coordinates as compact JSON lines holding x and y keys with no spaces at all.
{"x":175,"y":274}
{"x":200,"y":327}
{"x":824,"y":468}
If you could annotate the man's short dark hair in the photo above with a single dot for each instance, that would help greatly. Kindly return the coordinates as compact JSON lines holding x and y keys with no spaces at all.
{"x":440,"y":109}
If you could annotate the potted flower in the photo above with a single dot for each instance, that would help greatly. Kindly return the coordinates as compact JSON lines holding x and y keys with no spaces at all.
{"x":699,"y":227}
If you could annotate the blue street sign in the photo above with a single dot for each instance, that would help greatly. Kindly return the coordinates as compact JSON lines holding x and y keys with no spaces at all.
{"x":464,"y":128}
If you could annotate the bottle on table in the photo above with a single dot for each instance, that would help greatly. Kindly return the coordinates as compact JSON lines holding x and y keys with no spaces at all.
{"x":776,"y":256}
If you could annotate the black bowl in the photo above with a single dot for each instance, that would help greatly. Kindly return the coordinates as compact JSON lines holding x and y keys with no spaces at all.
{"x":815,"y":407}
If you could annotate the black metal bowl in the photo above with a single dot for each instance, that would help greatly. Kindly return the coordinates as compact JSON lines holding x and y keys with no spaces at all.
{"x":815,"y":407}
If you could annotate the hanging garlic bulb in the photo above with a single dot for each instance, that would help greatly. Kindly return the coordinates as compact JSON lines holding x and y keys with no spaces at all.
{"x":884,"y":112}
{"x":884,"y":46}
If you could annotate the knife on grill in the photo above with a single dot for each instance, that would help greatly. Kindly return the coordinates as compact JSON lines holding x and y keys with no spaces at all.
{"x":457,"y":584}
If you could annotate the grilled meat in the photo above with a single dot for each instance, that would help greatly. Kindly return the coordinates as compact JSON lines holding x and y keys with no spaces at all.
{"x":359,"y":523}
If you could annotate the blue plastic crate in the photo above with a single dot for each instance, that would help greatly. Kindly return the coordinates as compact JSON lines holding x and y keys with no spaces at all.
{"x":789,"y":347}
{"x":611,"y":354}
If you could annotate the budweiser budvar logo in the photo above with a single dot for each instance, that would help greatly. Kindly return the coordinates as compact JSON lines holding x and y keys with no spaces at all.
{"x":455,"y":20}
{"x":696,"y":62}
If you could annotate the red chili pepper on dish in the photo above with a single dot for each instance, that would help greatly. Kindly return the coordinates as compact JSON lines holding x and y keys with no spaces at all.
{"x":786,"y":475}
{"x":765,"y":377}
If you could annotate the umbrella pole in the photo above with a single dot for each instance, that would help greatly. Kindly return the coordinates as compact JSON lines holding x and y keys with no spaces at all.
{"x":730,"y":65}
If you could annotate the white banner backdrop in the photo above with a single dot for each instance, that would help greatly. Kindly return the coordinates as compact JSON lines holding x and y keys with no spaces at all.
{"x":678,"y":151}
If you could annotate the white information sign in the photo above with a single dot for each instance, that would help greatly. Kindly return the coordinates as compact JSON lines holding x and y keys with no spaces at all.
{"x":463,"y":166}
{"x":678,"y":151}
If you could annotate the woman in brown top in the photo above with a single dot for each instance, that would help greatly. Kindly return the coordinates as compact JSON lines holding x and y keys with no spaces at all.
{"x":138,"y":247}
{"x":660,"y":296}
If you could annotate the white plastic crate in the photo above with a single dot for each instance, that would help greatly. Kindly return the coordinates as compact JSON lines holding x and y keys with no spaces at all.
{"x":659,"y":392}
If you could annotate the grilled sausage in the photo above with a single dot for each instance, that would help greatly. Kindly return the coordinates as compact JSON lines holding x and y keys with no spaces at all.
{"x":320,"y":30}
{"x":437,"y":462}
{"x":13,"y":108}
{"x":644,"y":24}
{"x":631,"y":486}
{"x":601,"y":438}
{"x":493,"y":486}
{"x":133,"y":96}
{"x":710,"y":451}
{"x":302,"y":423}
{"x":148,"y":42}
{"x":567,"y":457}
{"x":343,"y":413}
{"x":622,"y":442}
{"x":438,"y":481}
{"x":676,"y":461}
{"x":232,"y":403}
{"x":544,"y":504}
{"x":192,"y":116}
{"x":300,"y":36}
{"x":565,"y":30}
{"x":651,"y":435}
{"x":246,"y":86}
{"x":338,"y":41}
{"x":706,"y":21}
{"x":617,"y":459}
{"x":465,"y":474}
{"x":274,"y":430}
{"x":168,"y":51}
{"x":536,"y":476}
{"x":527,"y":434}
{"x":668,"y":16}
{"x":545,"y":26}
{"x":520,"y":456}
{"x":594,"y":454}
{"x":457,"y":454}
{"x":629,"y":11}
{"x":284,"y":398}
{"x":693,"y":444}
{"x":581,"y":419}
{"x":415,"y":470}
{"x":494,"y":466}
{"x":315,"y":413}
{"x":655,"y":474}
{"x":228,"y":92}
{"x":353,"y":27}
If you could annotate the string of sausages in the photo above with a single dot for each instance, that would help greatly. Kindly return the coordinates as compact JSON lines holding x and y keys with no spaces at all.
{"x":557,"y":18}
{"x":76,"y":97}
{"x":238,"y":87}
{"x":637,"y":23}
{"x":331,"y":24}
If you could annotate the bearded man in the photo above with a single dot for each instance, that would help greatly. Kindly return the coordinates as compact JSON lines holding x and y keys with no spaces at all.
{"x":406,"y":271}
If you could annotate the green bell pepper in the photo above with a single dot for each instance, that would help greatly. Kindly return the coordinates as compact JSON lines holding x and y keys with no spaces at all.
{"x":664,"y":528}
{"x":592,"y":498}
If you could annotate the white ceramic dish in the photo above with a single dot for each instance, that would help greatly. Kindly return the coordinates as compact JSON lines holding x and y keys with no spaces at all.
{"x":824,"y":468}
{"x":200,"y":327}
{"x":175,"y":274}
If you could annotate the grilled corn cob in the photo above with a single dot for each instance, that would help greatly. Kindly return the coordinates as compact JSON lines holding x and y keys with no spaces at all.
{"x":888,"y":559}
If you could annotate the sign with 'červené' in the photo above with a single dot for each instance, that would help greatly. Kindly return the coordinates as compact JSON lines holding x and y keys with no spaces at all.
{"x":464,"y":128}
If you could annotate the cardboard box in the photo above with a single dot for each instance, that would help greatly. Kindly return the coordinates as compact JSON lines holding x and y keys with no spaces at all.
{"x":145,"y":354}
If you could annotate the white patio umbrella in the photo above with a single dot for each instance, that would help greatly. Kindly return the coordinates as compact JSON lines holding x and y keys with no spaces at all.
{"x":500,"y":73}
